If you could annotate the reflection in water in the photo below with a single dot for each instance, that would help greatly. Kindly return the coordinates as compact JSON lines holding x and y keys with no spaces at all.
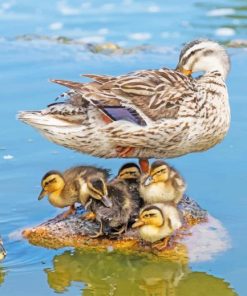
{"x":2,"y":275}
{"x":117,"y":274}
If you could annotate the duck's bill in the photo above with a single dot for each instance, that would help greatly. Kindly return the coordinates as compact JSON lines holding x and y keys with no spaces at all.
{"x":106,"y":201}
{"x":148,"y":181}
{"x":42,"y":194}
{"x":137,"y":224}
{"x":184,"y":71}
{"x":3,"y":252}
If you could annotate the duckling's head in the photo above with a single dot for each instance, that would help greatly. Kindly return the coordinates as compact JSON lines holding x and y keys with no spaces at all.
{"x":52,"y":181}
{"x":3,"y":253}
{"x":160,"y":171}
{"x":98,"y":190}
{"x":203,"y":55}
{"x":130,"y":171}
{"x":150,"y":215}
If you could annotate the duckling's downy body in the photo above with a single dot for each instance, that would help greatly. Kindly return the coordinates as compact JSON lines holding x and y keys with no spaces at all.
{"x":131,"y":174}
{"x":116,"y":217}
{"x":158,"y":221}
{"x":162,"y":184}
{"x":65,"y":189}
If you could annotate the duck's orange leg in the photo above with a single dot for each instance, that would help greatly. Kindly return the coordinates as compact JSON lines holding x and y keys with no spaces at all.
{"x":125,"y":151}
{"x":144,"y":165}
{"x":88,"y":216}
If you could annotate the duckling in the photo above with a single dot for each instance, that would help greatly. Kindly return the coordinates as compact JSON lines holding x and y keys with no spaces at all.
{"x":158,"y":221}
{"x":117,"y":216}
{"x":131,"y":174}
{"x":3,"y":253}
{"x":162,"y":184}
{"x":65,"y":189}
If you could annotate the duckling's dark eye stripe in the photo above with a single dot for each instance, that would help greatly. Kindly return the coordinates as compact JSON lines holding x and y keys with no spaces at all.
{"x":50,"y":181}
{"x":160,"y":171}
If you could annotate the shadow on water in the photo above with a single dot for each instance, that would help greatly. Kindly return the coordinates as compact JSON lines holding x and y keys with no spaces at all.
{"x":117,"y":274}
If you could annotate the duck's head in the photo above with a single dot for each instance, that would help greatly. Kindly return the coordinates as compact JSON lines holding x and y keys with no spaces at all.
{"x":130,"y":171}
{"x":52,"y":181}
{"x":3,"y":253}
{"x":159,"y":171}
{"x":150,"y":215}
{"x":203,"y":56}
{"x":97,"y":189}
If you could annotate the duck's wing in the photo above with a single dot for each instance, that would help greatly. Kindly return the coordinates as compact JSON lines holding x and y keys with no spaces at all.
{"x":138,"y":96}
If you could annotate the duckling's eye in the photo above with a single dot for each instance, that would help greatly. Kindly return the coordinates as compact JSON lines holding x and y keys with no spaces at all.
{"x":152,"y":215}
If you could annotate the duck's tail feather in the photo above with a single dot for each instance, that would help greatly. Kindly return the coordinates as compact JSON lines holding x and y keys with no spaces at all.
{"x":41,"y":120}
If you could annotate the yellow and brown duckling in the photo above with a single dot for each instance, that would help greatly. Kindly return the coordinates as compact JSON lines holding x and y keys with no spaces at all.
{"x":158,"y":221}
{"x":113,"y":219}
{"x":162,"y":184}
{"x":131,"y":174}
{"x":3,"y":252}
{"x":67,"y":188}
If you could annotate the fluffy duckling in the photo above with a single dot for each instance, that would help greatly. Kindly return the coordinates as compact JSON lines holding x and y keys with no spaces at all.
{"x":131,"y":174}
{"x":158,"y":221}
{"x":115,"y":217}
{"x":162,"y":184}
{"x":65,"y":189}
{"x":3,"y":253}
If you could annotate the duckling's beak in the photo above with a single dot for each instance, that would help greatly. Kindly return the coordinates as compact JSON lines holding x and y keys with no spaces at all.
{"x":138,"y":223}
{"x":42,"y":194}
{"x":3,"y":252}
{"x":148,"y":181}
{"x":106,"y":201}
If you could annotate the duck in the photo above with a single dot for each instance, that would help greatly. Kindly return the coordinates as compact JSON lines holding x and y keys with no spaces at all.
{"x":114,"y":219}
{"x":163,"y":183}
{"x":160,"y":113}
{"x":157,"y":222}
{"x":70,"y":187}
{"x":3,"y":252}
{"x":131,"y":173}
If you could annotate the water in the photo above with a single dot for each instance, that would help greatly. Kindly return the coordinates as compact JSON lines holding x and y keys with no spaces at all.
{"x":216,"y":178}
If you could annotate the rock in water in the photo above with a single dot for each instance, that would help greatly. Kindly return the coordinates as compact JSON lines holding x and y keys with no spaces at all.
{"x":200,"y":238}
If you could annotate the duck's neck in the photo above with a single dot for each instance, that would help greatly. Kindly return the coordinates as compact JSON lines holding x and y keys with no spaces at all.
{"x":56,"y":199}
{"x":212,"y":64}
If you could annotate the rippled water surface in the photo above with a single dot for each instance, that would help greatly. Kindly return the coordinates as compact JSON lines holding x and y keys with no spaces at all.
{"x":30,"y":55}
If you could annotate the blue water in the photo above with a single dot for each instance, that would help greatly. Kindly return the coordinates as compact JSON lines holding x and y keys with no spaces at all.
{"x":216,"y":178}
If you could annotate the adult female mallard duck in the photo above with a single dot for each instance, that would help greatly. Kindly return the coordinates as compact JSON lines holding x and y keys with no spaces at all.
{"x":113,"y":220}
{"x":149,"y":113}
{"x":157,"y":222}
{"x":162,"y":184}
{"x":66,"y":189}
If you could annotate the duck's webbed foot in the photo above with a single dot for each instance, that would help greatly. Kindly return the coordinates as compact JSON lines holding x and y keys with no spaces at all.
{"x":71,"y":211}
{"x":89,"y":216}
{"x":99,"y":233}
{"x":161,"y":246}
{"x":121,"y":230}
{"x":125,"y":151}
